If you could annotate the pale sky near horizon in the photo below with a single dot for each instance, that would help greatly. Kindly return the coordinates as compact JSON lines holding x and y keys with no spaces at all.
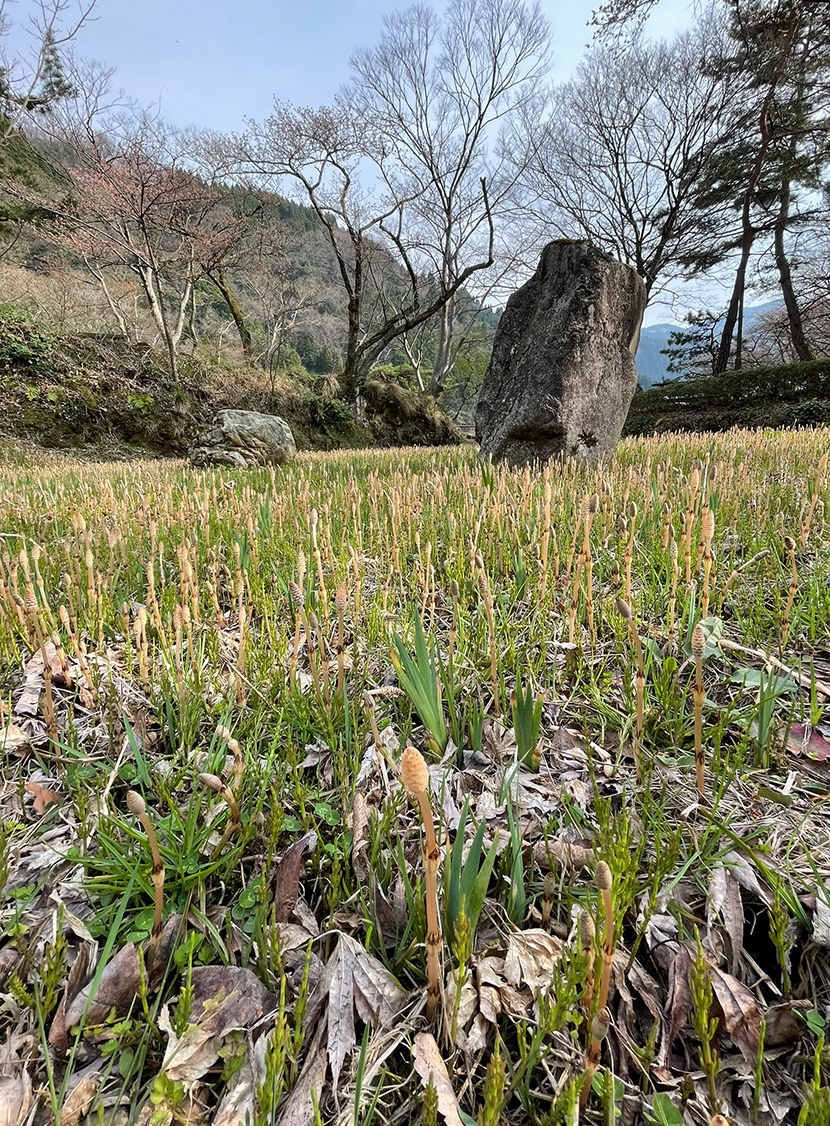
{"x":212,"y":63}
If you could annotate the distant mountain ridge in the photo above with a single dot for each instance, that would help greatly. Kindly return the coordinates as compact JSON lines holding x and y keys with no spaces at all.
{"x":653,"y":366}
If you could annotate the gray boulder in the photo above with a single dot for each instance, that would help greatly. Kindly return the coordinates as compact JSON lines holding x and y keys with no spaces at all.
{"x":244,"y":439}
{"x":562,"y":374}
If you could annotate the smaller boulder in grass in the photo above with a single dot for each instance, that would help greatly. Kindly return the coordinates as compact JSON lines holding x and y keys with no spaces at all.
{"x":243,"y":440}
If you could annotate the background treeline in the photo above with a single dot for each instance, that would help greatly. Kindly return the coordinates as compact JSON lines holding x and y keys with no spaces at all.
{"x":375,"y":239}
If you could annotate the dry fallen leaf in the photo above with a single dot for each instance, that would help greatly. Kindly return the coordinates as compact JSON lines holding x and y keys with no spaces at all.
{"x":288,"y":873}
{"x":805,"y":741}
{"x":59,"y":1031}
{"x":353,"y":979}
{"x":13,"y":739}
{"x":724,"y":899}
{"x":427,"y":1060}
{"x":360,"y":827}
{"x":530,"y":958}
{"x":678,"y":1003}
{"x":15,"y":1098}
{"x":117,"y":989}
{"x":80,"y":1097}
{"x":43,"y":796}
{"x":740,"y":1012}
{"x":226,"y":1000}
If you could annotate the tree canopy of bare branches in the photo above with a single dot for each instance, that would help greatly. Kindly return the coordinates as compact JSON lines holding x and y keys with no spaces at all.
{"x":614,"y":155}
{"x":398,"y":168}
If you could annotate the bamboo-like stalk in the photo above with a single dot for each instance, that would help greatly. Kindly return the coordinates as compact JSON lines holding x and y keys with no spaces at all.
{"x":629,"y":548}
{"x":317,"y":652}
{"x":355,"y":565}
{"x":675,"y":573}
{"x":587,"y":938}
{"x":543,"y":559}
{"x":667,"y":524}
{"x":300,"y":622}
{"x":318,"y":559}
{"x":601,"y":1021}
{"x":454,"y":593}
{"x":694,"y":482}
{"x":415,"y":777}
{"x":136,"y":806}
{"x":39,"y":638}
{"x":219,"y":786}
{"x":593,"y":508}
{"x":698,"y":647}
{"x":238,"y":759}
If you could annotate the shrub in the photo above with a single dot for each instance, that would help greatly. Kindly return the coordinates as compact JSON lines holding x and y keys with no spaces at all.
{"x":23,"y":342}
{"x":809,"y":412}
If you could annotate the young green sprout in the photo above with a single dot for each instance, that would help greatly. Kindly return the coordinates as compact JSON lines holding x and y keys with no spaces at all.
{"x":136,"y":806}
{"x":415,"y":777}
{"x":625,"y":612}
{"x":698,"y":647}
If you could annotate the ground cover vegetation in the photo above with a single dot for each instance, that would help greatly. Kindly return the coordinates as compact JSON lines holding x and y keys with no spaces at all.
{"x":395,"y":787}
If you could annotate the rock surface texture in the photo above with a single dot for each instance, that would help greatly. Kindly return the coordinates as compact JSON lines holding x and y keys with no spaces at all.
{"x":243,"y":439}
{"x":562,"y":374}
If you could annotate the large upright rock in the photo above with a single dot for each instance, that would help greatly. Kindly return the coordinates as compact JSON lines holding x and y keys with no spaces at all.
{"x":243,"y":439}
{"x":562,"y":374}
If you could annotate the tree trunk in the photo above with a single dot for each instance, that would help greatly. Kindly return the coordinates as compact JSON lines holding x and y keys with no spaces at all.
{"x":782,"y":262}
{"x":149,"y":279}
{"x":220,"y":280}
{"x":443,"y":358}
{"x":747,"y":230}
{"x":415,"y":361}
{"x":354,"y":372}
{"x":114,"y":308}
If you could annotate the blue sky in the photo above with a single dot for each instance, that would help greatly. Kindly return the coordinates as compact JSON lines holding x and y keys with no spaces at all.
{"x":214,"y":62}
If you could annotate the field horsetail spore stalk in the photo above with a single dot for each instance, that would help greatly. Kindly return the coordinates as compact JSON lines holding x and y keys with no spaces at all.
{"x":415,"y":777}
{"x":154,"y":617}
{"x":138,"y":808}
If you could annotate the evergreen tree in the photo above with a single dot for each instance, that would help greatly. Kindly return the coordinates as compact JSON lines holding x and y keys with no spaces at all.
{"x":782,"y":144}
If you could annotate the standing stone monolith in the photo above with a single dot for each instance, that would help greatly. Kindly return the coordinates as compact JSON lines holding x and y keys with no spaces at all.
{"x":562,"y":374}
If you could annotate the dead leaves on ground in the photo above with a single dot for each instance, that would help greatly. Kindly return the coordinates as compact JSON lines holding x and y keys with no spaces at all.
{"x":353,"y":983}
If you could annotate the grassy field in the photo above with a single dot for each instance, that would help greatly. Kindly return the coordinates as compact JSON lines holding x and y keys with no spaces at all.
{"x":396,"y":788}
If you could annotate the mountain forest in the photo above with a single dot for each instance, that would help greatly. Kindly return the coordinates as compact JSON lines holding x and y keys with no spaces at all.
{"x":150,"y":271}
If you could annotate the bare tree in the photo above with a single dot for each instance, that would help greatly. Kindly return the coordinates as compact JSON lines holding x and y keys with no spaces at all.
{"x":615,"y":154}
{"x":132,"y":206}
{"x":434,"y":91}
{"x":396,"y":169}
